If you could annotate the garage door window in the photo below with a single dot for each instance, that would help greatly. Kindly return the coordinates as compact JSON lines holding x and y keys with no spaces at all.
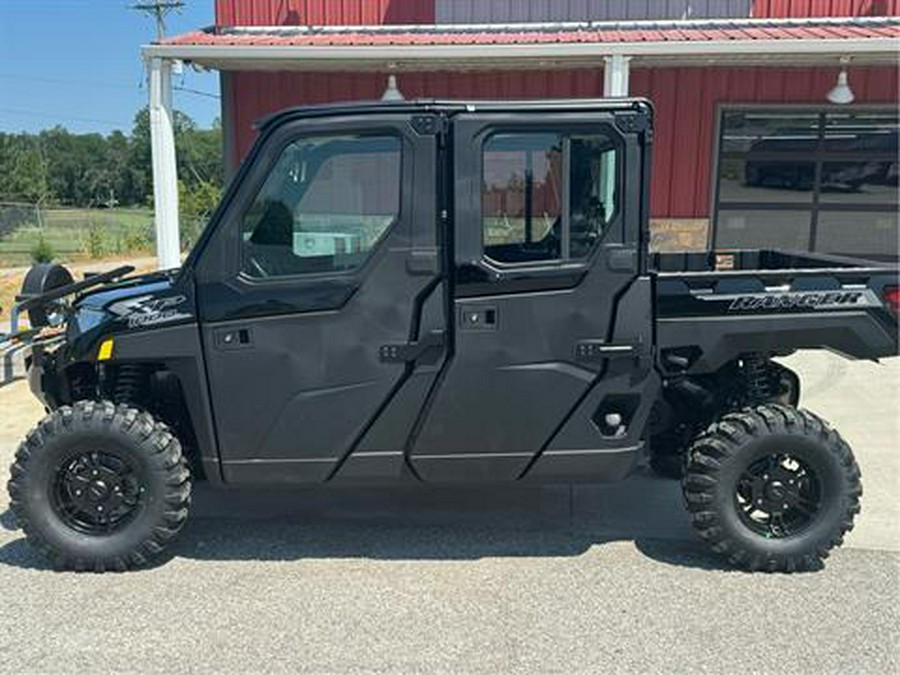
{"x":817,"y":180}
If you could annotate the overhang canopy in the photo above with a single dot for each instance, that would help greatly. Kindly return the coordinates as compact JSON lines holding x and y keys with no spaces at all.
{"x":781,"y":42}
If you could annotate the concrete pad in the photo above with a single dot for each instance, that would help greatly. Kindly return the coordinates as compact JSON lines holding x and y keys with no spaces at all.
{"x":861,"y":399}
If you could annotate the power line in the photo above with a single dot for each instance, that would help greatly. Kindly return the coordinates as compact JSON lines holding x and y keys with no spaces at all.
{"x":52,"y":80}
{"x":64,"y":118}
{"x":196,"y":92}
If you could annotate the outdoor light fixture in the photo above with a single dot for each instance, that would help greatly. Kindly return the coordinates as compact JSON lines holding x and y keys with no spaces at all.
{"x":392,"y":93}
{"x":841,"y":93}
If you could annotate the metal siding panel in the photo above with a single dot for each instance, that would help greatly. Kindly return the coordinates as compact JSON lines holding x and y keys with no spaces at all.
{"x":323,"y":12}
{"x":771,"y":85}
{"x":578,"y":10}
{"x":685,"y":139}
{"x":223,"y":13}
{"x":880,"y":86}
{"x":806,"y":8}
{"x":315,"y":12}
{"x":617,"y":9}
{"x":663,"y":92}
{"x":714,"y":91}
{"x":451,"y":10}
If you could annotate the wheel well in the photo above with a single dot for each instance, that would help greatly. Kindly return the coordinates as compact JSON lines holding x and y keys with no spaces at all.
{"x":690,"y":403}
{"x":146,"y":385}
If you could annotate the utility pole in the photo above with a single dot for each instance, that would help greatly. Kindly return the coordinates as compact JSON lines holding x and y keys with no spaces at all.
{"x":159,"y":9}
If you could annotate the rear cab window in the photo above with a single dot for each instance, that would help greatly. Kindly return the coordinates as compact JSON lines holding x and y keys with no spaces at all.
{"x":547,"y":196}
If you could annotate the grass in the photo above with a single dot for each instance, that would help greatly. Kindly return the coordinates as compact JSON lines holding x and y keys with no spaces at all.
{"x":75,"y":234}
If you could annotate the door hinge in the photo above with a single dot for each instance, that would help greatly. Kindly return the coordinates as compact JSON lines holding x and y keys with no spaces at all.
{"x":428,"y":125}
{"x":427,"y":350}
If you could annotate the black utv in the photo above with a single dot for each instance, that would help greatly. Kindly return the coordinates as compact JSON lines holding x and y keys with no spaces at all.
{"x":442,"y":292}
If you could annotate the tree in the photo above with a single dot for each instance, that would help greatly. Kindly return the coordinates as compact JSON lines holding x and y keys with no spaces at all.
{"x":23,"y":169}
{"x":198,"y":152}
{"x":115,"y":170}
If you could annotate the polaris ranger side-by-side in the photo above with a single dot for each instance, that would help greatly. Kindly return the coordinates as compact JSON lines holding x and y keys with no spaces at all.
{"x":443,"y":293}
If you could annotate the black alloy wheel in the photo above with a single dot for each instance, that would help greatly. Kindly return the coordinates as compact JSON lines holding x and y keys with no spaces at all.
{"x":99,"y":486}
{"x":772,"y":488}
{"x":97,"y":492}
{"x":778,"y":496}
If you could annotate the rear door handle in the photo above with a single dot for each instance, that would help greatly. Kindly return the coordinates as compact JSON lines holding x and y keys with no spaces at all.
{"x":598,"y":350}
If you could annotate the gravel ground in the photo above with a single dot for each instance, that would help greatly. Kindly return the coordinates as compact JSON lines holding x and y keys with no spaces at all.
{"x":528,"y":579}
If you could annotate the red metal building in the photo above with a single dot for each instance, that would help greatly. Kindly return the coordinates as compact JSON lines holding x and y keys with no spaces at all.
{"x":747,"y":139}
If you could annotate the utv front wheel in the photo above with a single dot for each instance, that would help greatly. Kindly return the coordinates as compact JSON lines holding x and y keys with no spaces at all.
{"x":98,"y":486}
{"x":772,"y":488}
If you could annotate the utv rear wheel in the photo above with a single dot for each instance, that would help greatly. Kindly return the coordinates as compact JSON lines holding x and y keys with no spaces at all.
{"x":98,"y":486}
{"x":772,"y":488}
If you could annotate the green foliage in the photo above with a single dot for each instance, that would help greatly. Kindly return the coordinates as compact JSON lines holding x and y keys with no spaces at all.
{"x":24,"y":169}
{"x":42,"y":252}
{"x":91,"y":170}
{"x":195,"y":205}
{"x":95,"y":241}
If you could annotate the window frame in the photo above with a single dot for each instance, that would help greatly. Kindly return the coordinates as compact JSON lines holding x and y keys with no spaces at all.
{"x":566,"y":131}
{"x":291,"y":136}
{"x":818,"y":158}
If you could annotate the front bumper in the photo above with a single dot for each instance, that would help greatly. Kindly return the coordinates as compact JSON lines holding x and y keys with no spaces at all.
{"x":43,"y":379}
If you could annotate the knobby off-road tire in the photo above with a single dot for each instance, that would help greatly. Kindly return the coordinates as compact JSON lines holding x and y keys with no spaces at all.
{"x":772,"y":488}
{"x":98,"y":486}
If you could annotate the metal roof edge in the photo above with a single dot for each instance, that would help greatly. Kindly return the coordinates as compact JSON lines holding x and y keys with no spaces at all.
{"x":485,"y":52}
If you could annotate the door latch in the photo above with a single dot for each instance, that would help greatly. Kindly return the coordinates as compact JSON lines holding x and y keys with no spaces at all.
{"x":426,"y":350}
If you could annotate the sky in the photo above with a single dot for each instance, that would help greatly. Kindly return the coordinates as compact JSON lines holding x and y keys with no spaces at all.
{"x":77,"y":63}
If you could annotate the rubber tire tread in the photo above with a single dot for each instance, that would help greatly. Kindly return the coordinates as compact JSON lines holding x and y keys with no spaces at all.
{"x":723,"y":443}
{"x":145,"y":434}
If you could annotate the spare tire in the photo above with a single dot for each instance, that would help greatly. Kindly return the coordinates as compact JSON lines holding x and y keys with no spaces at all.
{"x":43,"y":278}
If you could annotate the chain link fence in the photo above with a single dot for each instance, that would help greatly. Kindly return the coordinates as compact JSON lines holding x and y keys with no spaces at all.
{"x":35,"y":232}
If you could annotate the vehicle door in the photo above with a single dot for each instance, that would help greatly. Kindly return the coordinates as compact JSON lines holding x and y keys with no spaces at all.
{"x":549,"y":206}
{"x":318,"y":294}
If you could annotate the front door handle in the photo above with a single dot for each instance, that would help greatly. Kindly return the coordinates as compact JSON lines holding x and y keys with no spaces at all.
{"x":232,"y":338}
{"x":427,"y":349}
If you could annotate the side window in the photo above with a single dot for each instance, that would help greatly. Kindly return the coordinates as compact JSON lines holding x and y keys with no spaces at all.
{"x":323,"y":208}
{"x":546,"y":196}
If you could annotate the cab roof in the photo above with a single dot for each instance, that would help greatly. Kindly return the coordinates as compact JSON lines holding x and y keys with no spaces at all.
{"x":452,"y":107}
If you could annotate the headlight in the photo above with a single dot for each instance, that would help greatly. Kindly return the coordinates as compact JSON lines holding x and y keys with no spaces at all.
{"x":87,"y":318}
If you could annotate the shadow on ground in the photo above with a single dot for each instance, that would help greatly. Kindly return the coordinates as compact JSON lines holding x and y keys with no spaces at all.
{"x":428,"y":523}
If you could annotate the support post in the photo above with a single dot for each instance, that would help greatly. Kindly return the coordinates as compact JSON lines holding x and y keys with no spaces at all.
{"x":615,"y":75}
{"x":165,"y":171}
